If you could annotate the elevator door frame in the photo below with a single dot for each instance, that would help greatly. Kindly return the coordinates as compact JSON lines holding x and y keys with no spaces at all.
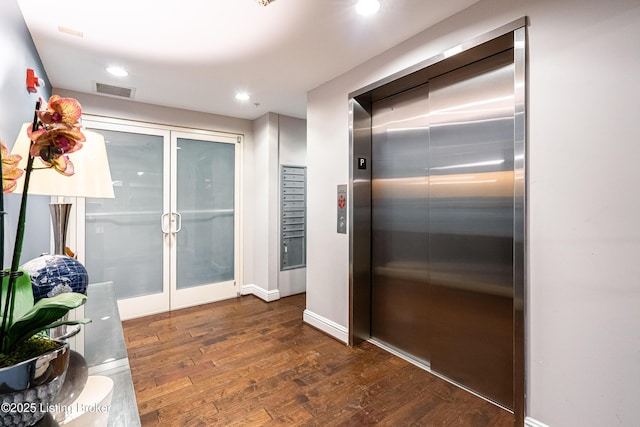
{"x":510,"y":36}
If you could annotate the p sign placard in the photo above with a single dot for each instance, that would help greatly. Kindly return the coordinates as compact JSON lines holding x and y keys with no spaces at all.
{"x":362,"y":163}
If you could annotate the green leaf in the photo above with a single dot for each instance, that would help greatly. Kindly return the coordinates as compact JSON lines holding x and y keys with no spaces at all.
{"x":31,"y":333}
{"x":68,"y":322}
{"x":23,"y":296}
{"x":43,"y":314}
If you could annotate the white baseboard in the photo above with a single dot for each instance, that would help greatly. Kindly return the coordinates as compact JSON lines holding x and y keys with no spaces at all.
{"x":330,"y":327}
{"x":261,"y":293}
{"x":530,"y":422}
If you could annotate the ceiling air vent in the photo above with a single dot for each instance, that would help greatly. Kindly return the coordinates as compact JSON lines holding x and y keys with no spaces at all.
{"x":121,"y":92}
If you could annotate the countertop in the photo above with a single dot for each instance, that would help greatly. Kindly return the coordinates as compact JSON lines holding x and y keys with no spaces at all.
{"x":98,"y":352}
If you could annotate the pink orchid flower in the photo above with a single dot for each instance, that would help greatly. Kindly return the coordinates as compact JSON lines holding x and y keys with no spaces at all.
{"x":61,"y":111}
{"x":10,"y":170}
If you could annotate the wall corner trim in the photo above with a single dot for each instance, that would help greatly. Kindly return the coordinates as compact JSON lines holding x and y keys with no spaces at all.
{"x":261,"y":293}
{"x":327,"y":326}
{"x":530,"y":422}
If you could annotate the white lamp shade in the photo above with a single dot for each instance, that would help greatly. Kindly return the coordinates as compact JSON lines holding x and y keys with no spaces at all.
{"x":91,"y":178}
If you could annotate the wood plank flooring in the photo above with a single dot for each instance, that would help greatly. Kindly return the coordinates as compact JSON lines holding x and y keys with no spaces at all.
{"x":245,"y":362}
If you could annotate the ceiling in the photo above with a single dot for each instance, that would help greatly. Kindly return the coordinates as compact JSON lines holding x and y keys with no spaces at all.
{"x":197,"y":54}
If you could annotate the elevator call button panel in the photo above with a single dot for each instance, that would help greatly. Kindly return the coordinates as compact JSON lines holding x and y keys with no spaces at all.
{"x":342,"y":209}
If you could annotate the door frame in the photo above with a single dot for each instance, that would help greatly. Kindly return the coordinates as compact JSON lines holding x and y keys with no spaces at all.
{"x":181,"y":298}
{"x":130,"y":308}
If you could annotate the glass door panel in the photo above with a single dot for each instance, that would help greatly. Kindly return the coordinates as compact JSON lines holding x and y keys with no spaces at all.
{"x":123,"y":238}
{"x":206,"y":228}
{"x":169,"y":238}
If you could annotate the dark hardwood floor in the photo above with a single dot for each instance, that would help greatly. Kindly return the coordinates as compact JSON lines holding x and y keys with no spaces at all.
{"x":245,"y":362}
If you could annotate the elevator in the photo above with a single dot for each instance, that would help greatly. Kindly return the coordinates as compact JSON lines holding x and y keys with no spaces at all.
{"x":437,"y":220}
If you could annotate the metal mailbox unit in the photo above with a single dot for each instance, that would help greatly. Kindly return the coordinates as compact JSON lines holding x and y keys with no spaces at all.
{"x":293,"y":217}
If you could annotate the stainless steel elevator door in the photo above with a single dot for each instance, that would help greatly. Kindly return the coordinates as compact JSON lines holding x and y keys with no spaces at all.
{"x":399,"y":235}
{"x":471,"y":221}
{"x":442,"y":217}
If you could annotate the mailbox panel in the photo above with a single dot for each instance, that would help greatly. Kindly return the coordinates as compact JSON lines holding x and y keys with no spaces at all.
{"x":293,"y":217}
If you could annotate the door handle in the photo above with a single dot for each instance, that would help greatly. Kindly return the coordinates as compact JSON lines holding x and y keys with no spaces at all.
{"x":179,"y":218}
{"x":163,"y":222}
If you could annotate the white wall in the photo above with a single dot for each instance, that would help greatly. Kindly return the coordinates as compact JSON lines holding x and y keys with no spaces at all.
{"x":327,"y":167}
{"x":583,"y":309}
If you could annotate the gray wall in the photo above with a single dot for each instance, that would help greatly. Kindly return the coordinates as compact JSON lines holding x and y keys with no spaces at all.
{"x":583,"y":301}
{"x":292,"y":137}
{"x":278,"y":140}
{"x":17,"y":53}
{"x":265,"y":193}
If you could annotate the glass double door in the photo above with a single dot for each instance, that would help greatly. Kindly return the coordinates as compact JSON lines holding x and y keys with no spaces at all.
{"x":169,"y":238}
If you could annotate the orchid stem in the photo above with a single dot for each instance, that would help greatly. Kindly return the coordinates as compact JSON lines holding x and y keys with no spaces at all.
{"x":1,"y":239}
{"x":17,"y":250}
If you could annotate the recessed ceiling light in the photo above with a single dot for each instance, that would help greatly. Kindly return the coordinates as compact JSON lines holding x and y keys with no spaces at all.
{"x":367,"y":7}
{"x":117,"y":71}
{"x":242,"y":96}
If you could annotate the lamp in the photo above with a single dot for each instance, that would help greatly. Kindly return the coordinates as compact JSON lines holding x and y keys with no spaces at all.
{"x":91,"y":178}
